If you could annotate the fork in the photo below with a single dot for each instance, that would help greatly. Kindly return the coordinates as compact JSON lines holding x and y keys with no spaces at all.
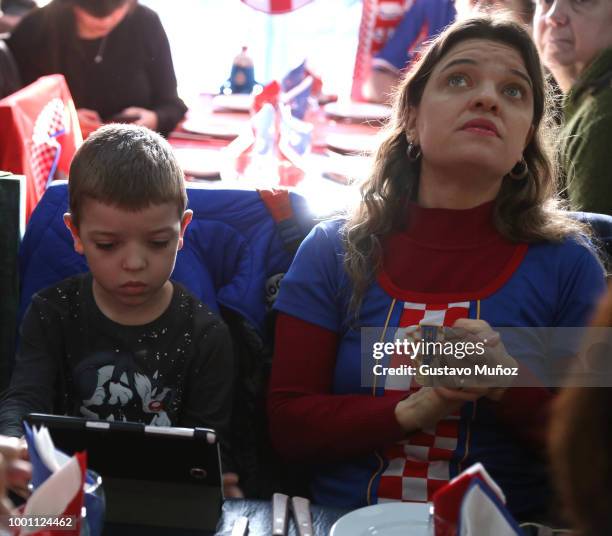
{"x":240,"y":526}
{"x":303,"y":518}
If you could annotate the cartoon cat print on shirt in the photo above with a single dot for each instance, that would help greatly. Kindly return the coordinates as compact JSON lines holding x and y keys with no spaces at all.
{"x":111,"y":387}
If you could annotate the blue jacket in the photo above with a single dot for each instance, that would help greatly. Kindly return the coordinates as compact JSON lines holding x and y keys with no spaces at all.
{"x":232,"y":247}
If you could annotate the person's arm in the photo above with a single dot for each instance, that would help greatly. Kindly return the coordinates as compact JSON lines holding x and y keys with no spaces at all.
{"x":168,"y":107}
{"x":526,"y":410}
{"x":208,"y":400}
{"x":9,"y":75}
{"x":26,"y":42}
{"x":587,"y":161}
{"x":396,"y":55}
{"x":309,"y":422}
{"x":32,"y":387}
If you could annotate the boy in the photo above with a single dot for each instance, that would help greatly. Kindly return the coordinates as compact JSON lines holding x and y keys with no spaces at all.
{"x":123,"y":342}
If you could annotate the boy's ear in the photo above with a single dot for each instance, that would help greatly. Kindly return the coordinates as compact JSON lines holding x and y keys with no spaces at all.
{"x":185,"y":220}
{"x":68,"y":221}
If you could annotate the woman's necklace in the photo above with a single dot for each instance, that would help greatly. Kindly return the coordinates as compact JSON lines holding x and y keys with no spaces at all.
{"x":100,"y":55}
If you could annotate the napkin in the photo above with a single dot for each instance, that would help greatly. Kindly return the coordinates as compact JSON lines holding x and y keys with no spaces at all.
{"x":448,"y":499}
{"x":295,"y":137}
{"x":269,"y":95}
{"x":60,"y":495}
{"x":55,"y":478}
{"x":482,"y":507}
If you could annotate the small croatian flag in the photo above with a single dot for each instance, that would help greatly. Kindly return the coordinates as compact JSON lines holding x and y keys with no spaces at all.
{"x":297,"y":97}
{"x":294,"y":76}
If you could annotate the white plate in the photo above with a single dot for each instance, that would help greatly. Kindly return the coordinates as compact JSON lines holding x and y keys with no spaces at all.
{"x":358,"y":111}
{"x":215,"y":129}
{"x":237,"y":102}
{"x":200,"y":163}
{"x":352,"y":143}
{"x":387,"y":519}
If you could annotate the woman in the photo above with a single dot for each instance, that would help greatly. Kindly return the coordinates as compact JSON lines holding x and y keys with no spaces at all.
{"x":575,"y":42}
{"x":457,"y":226}
{"x":115,"y":57}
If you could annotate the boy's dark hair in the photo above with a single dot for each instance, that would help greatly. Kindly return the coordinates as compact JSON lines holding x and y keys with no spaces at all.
{"x":99,"y":8}
{"x":126,"y":166}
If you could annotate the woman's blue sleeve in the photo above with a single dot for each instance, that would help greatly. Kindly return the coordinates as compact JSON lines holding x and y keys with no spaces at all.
{"x":311,"y":289}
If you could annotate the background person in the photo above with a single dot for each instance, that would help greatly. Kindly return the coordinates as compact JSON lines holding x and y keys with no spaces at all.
{"x":581,"y":429}
{"x":457,"y":226}
{"x":115,"y":57}
{"x":9,"y":76}
{"x":11,"y":12}
{"x":575,"y":42}
{"x":423,"y":21}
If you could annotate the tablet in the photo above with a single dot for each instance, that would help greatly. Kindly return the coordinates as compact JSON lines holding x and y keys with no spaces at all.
{"x":152,"y":476}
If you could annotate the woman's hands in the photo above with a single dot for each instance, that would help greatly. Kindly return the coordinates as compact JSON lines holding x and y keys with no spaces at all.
{"x":429,"y":405}
{"x":89,"y":120}
{"x":146,"y":118}
{"x":479,"y":331}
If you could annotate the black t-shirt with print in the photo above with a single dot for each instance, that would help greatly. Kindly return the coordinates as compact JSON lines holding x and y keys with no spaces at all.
{"x":174,"y":371}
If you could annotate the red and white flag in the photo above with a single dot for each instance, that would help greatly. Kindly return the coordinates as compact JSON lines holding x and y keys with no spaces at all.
{"x":276,"y":7}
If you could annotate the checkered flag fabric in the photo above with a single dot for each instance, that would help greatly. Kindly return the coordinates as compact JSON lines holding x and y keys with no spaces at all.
{"x":418,"y":466}
{"x":45,"y":149}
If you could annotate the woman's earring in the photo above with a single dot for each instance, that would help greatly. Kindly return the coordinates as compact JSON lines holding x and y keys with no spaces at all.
{"x":413,"y":152}
{"x":519,"y":171}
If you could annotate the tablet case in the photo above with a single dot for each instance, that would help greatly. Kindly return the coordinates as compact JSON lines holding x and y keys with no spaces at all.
{"x":152,"y":476}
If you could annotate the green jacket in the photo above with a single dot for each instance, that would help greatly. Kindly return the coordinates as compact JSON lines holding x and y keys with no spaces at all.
{"x":586,"y":144}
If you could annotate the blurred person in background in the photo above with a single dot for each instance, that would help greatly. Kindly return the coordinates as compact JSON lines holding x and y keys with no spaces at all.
{"x":580,"y":441}
{"x":574,"y":39}
{"x":11,"y":12}
{"x":9,"y":76}
{"x":423,"y":21}
{"x":114,"y":54}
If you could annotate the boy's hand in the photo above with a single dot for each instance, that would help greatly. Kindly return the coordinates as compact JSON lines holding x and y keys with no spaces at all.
{"x":15,"y":471}
{"x":230,"y":486}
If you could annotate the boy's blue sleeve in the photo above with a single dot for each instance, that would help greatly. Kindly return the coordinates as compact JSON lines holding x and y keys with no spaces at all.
{"x":311,"y":289}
